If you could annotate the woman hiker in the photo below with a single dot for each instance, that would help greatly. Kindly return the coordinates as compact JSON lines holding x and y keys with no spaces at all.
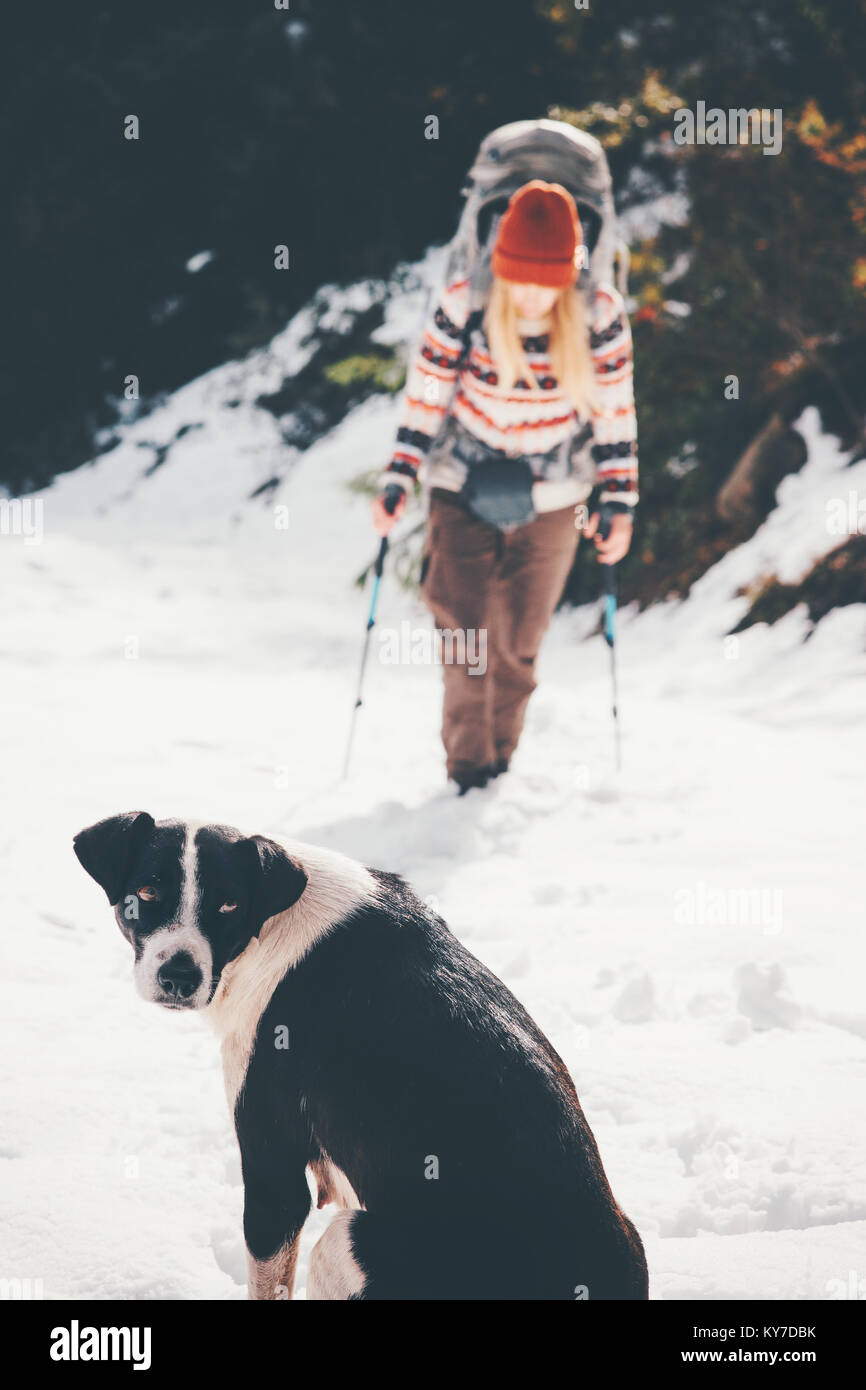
{"x":514,"y":397}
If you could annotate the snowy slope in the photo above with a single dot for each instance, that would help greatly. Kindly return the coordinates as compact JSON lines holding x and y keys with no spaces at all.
{"x":689,"y":936}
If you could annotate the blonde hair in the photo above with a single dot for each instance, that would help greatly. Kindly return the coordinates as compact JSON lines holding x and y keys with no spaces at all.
{"x":569,"y":344}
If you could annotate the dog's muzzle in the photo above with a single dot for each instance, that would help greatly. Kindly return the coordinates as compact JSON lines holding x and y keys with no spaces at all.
{"x":179,"y":979}
{"x":175,"y":969}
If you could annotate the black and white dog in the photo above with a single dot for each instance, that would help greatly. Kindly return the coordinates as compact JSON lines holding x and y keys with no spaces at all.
{"x":362,"y":1041}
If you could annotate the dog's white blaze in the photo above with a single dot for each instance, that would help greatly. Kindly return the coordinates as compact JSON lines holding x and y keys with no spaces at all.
{"x":336,"y":886}
{"x":334,"y":1272}
{"x":189,"y":890}
{"x":182,"y":935}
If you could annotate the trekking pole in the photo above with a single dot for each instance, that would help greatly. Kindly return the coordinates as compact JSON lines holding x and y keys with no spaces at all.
{"x":371,"y":622}
{"x":610,"y":634}
{"x":392,"y":496}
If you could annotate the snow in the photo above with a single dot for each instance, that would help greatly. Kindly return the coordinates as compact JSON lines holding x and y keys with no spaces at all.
{"x":688,"y":934}
{"x":199,"y":261}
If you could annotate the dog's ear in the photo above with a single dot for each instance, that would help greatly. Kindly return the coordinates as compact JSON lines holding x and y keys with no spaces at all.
{"x":105,"y":850}
{"x":276,"y":880}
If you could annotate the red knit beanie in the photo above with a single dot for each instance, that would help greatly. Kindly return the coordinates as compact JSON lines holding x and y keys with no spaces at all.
{"x":538,"y":238}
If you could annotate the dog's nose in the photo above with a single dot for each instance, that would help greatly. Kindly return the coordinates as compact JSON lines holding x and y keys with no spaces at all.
{"x":180,"y":977}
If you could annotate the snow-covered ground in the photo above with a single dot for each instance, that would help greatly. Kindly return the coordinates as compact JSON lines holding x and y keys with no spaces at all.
{"x":689,"y":934}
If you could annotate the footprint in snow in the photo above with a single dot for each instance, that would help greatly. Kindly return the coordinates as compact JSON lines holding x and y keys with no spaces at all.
{"x":636,"y":1002}
{"x":760,"y":999}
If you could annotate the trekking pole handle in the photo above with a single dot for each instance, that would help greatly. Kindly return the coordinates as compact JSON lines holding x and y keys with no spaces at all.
{"x":380,"y":558}
{"x":392,"y":496}
{"x":605,"y":521}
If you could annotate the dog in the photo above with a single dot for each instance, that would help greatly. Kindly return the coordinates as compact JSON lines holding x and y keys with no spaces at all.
{"x":362,"y":1041}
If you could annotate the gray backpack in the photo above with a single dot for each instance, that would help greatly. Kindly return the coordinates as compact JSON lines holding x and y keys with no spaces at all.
{"x":508,"y":158}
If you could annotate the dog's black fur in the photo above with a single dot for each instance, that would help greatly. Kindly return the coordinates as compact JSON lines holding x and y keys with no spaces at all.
{"x":409,"y":1067}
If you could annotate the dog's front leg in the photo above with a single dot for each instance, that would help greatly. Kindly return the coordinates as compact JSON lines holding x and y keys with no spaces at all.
{"x":275,"y":1209}
{"x":273,"y":1278}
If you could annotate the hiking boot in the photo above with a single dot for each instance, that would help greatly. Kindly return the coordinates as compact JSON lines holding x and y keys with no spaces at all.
{"x":466,"y":781}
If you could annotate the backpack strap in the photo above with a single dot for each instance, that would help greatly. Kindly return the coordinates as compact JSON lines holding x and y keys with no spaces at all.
{"x":474,"y":321}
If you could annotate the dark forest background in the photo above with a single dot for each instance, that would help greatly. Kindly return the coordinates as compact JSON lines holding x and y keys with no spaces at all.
{"x":262,"y":125}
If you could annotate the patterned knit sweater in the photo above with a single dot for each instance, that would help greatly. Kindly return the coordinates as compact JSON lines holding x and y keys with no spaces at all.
{"x":530,"y":419}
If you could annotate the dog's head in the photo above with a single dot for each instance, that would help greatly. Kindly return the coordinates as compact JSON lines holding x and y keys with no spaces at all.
{"x":188,"y":898}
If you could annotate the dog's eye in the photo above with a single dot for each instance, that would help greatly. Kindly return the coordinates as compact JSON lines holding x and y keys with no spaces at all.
{"x":148,"y":894}
{"x":228,"y":907}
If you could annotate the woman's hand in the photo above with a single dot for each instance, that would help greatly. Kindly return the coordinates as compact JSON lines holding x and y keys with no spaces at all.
{"x":615,"y":544}
{"x":388,"y":507}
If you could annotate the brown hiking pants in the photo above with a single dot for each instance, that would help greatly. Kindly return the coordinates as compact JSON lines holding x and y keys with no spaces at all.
{"x":495,"y":588}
